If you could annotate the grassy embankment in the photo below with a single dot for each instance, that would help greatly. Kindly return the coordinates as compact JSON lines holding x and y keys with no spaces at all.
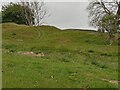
{"x":71,"y":58}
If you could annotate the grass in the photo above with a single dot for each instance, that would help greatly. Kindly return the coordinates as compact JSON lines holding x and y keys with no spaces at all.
{"x":73,"y":58}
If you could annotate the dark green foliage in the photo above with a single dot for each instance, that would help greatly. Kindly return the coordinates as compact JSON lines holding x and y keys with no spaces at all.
{"x":109,"y":24}
{"x":13,"y":13}
{"x":0,"y":17}
{"x":105,"y":54}
{"x":100,"y":65}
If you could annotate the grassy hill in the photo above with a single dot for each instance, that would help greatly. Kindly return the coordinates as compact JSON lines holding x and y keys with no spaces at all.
{"x":47,"y":57}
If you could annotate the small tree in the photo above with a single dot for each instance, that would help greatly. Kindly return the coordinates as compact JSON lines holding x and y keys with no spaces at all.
{"x":13,"y":13}
{"x":109,"y":24}
{"x":37,"y":8}
{"x":27,"y":12}
{"x":105,"y":15}
{"x":40,"y":12}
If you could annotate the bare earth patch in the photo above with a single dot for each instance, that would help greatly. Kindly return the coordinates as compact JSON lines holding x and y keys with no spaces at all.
{"x":24,"y":53}
{"x":111,"y":81}
{"x":32,"y":54}
{"x":106,"y":80}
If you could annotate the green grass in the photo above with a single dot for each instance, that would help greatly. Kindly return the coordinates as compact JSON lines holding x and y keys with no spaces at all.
{"x":73,"y":58}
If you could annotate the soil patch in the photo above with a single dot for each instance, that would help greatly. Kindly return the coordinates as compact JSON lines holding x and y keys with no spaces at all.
{"x":32,"y":54}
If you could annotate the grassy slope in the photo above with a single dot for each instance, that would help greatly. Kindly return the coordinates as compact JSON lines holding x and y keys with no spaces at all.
{"x":72,"y":58}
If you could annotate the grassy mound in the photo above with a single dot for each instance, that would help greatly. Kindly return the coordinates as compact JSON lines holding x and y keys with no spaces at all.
{"x":72,"y":58}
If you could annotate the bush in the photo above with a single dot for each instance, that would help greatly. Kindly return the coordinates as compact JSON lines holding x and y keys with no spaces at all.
{"x":13,"y":13}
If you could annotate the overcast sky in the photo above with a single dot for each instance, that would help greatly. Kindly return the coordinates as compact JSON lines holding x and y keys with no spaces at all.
{"x":67,"y":14}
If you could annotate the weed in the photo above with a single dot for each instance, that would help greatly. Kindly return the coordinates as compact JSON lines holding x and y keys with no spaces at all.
{"x":105,"y":54}
{"x":98,"y":64}
{"x":13,"y":34}
{"x":64,"y":60}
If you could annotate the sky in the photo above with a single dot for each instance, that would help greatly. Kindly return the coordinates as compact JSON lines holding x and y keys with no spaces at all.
{"x":67,"y":14}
